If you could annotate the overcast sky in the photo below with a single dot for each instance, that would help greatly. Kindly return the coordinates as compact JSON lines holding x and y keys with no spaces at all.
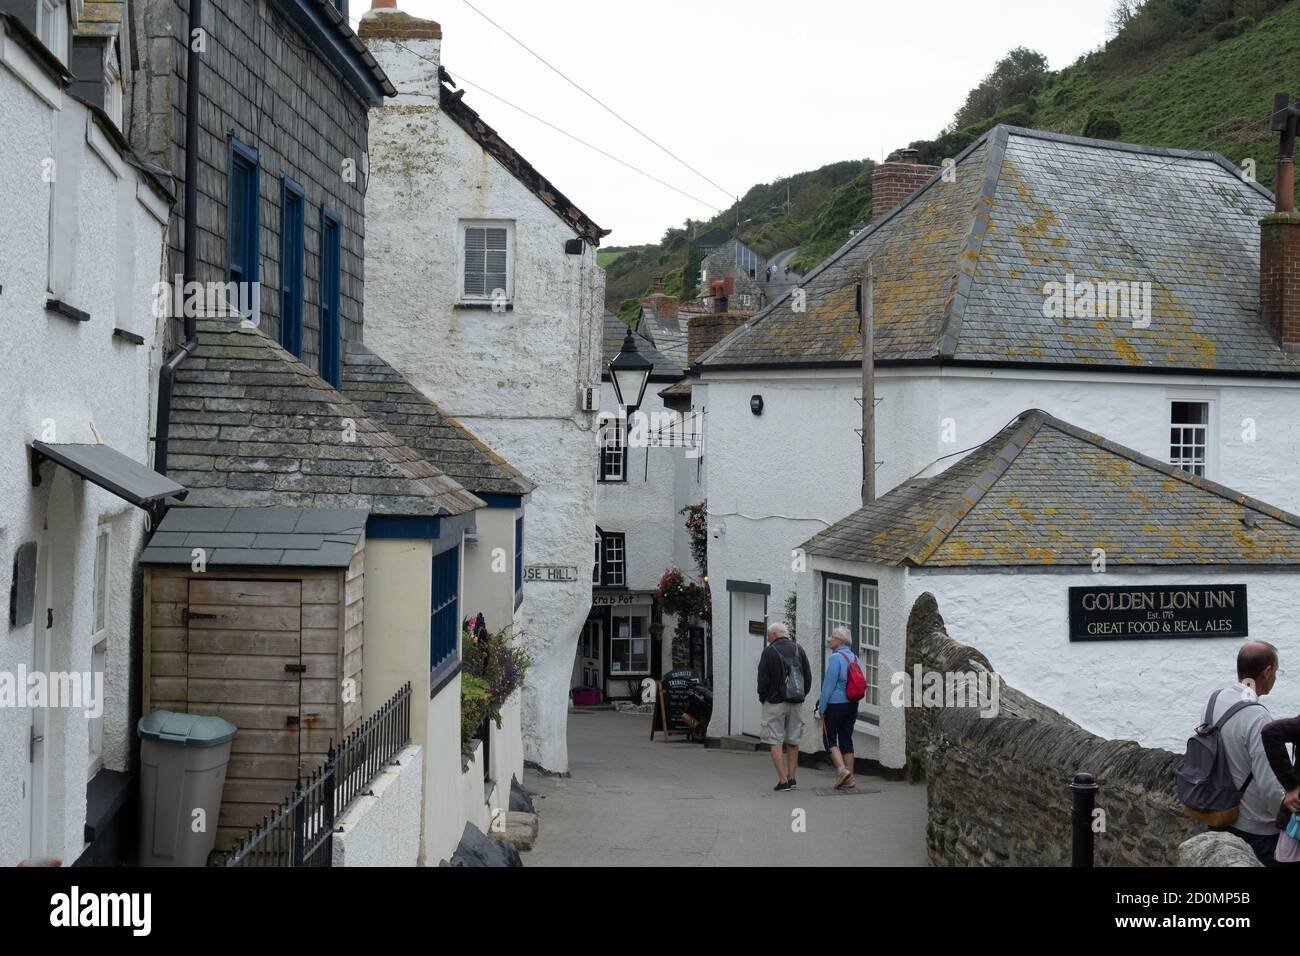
{"x":744,"y":92}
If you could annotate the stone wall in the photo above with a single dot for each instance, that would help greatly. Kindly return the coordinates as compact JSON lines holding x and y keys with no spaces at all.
{"x":997,"y":786}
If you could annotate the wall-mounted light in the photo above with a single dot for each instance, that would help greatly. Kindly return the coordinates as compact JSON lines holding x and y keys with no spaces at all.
{"x":756,"y":404}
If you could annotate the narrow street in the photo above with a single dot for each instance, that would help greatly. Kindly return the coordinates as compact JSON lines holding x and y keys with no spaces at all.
{"x":633,"y":802}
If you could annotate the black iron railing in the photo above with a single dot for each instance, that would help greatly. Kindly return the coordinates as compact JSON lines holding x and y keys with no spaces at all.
{"x":300,"y":832}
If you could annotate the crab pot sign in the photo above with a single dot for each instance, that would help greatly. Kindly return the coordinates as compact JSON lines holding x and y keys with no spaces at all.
{"x":1158,"y":611}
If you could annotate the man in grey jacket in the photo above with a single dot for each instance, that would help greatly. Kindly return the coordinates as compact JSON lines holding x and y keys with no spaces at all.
{"x":1257,"y":670}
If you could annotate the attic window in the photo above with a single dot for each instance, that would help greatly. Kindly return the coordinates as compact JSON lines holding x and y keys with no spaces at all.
{"x":487,"y":261}
{"x":52,"y":27}
{"x":1189,"y":436}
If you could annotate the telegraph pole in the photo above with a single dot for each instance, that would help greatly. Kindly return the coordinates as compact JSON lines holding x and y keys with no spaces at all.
{"x":866,"y":318}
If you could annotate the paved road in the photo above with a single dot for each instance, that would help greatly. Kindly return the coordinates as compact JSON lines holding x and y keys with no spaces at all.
{"x":781,"y":282}
{"x":631,"y":802}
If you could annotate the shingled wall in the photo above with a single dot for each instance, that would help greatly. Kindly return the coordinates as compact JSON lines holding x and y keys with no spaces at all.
{"x":997,"y":787}
{"x":267,"y":86}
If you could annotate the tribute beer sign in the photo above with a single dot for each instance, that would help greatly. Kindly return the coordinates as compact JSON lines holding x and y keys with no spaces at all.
{"x":1157,"y":611}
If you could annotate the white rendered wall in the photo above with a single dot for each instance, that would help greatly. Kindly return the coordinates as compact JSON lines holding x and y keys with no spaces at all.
{"x":382,"y":827}
{"x":511,"y":377}
{"x":777,"y":479}
{"x":492,"y":592}
{"x":89,"y":387}
{"x":1151,"y":691}
{"x":643,"y":507}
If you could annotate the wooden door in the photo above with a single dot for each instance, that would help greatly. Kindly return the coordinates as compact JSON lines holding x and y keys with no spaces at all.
{"x":245,"y":664}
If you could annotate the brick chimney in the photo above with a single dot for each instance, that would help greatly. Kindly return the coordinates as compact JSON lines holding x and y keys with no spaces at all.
{"x":1279,"y":237}
{"x":891,"y":183}
{"x":665,"y":306}
{"x":708,"y":329}
{"x":408,"y":49}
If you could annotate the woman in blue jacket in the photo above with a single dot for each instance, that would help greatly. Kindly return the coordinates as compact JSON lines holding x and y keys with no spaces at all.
{"x":838,"y":713}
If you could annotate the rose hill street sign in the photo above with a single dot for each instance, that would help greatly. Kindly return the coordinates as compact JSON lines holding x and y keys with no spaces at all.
{"x":1157,"y":611}
{"x":550,"y":573}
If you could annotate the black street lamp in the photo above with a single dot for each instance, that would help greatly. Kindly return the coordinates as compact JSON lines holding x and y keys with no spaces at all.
{"x":629,"y":371}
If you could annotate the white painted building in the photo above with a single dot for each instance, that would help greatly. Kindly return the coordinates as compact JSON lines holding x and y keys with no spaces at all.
{"x":637,"y":530}
{"x":82,"y":227}
{"x":455,"y":215}
{"x":1011,"y":541}
{"x":1192,"y":373}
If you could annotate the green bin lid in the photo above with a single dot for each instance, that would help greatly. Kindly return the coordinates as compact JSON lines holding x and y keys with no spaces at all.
{"x":189,"y":730}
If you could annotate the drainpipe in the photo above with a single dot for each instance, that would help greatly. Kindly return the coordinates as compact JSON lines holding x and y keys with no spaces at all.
{"x":167,"y":374}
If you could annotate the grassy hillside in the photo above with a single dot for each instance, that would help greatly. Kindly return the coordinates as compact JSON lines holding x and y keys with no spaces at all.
{"x":1209,"y":86}
{"x":764,"y":218}
{"x":1190,"y":74}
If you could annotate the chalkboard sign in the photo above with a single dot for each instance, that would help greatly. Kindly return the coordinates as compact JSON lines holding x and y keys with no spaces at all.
{"x":1142,"y":612}
{"x":673,"y":692}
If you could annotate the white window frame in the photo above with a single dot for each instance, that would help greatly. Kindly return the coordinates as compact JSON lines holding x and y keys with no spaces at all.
{"x":615,"y":640}
{"x":114,"y":90}
{"x":613,"y":451}
{"x":620,"y":539}
{"x":466,"y":224}
{"x":848,"y":605}
{"x":1210,"y":464}
{"x":52,"y":27}
{"x":100,"y":620}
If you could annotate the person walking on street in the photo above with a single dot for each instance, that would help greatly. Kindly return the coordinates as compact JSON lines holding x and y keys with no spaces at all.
{"x":838,"y":712}
{"x":1243,"y":746}
{"x":783,"y":680}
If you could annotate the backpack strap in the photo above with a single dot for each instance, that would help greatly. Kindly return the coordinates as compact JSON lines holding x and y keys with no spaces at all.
{"x":1209,"y":708}
{"x":1240,"y":705}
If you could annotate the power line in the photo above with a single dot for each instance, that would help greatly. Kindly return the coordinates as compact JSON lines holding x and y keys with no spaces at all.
{"x":730,"y":195}
{"x":482,"y":89}
{"x":460,"y":77}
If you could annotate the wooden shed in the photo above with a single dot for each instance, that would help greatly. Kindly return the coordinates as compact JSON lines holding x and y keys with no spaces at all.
{"x":255,"y":614}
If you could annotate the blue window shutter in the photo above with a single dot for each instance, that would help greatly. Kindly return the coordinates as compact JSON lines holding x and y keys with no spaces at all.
{"x":244,"y":220}
{"x":292,"y":258}
{"x":444,"y":614}
{"x":519,"y":554}
{"x":330,"y":281}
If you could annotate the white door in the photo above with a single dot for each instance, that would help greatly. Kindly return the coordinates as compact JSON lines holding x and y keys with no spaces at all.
{"x":748,"y":614}
{"x":34,"y":787}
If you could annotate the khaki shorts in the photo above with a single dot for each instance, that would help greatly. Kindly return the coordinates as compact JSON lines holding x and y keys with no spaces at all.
{"x":782,"y":724}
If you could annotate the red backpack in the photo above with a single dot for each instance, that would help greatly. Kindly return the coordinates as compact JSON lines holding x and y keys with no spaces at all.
{"x":855,"y":685}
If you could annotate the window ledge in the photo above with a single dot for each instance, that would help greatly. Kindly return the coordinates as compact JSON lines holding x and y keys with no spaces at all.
{"x":484,"y":306}
{"x":59,"y":307}
{"x":442,"y":675}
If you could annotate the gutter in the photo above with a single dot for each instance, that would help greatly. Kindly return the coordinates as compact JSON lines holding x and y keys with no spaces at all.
{"x":167,"y":374}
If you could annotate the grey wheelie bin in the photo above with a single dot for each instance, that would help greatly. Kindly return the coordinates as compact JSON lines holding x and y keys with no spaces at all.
{"x":183,"y":761}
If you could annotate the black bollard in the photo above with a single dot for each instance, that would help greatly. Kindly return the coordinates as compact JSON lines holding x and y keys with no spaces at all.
{"x":1084,"y":790}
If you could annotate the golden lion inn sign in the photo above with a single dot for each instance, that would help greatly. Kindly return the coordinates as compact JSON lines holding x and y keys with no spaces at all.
{"x":1134,"y":613}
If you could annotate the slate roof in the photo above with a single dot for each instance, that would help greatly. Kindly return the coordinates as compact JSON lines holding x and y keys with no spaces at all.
{"x":266,"y":537}
{"x":251,"y":426}
{"x":99,"y":17}
{"x":453,"y":104}
{"x":961,"y":266}
{"x":615,"y":331}
{"x":1043,"y":492}
{"x":405,"y":411}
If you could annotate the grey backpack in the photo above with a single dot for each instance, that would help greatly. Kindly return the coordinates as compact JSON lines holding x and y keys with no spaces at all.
{"x":1203,"y":781}
{"x":792,"y":674}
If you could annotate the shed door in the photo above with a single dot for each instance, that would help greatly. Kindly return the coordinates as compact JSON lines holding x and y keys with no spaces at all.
{"x":245,"y":664}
